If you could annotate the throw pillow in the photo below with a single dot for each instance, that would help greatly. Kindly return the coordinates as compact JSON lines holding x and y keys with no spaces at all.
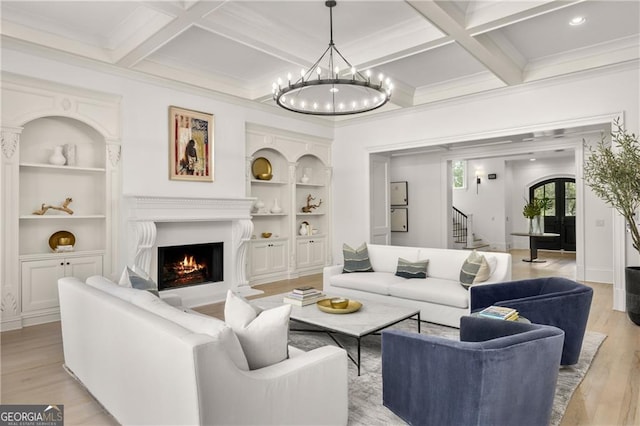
{"x":136,"y":279}
{"x":475,"y":269}
{"x":407,"y":269}
{"x":356,"y":260}
{"x":264,"y":336}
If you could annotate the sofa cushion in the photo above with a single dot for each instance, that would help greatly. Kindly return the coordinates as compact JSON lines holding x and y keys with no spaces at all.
{"x":202,"y":324}
{"x":263,"y":336}
{"x":434,"y":290}
{"x":474,"y":270}
{"x":408,"y":269}
{"x":356,"y":260}
{"x":373,"y":282}
{"x":385,"y":258}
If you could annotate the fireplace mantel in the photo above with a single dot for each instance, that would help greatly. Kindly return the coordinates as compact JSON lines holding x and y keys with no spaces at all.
{"x":180,"y":209}
{"x":143,"y":212}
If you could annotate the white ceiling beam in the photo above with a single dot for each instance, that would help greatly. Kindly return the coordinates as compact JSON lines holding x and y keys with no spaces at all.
{"x":181,"y":23}
{"x":487,"y":53}
{"x":494,"y":24}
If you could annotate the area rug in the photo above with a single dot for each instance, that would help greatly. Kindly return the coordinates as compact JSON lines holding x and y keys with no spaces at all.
{"x":365,"y":391}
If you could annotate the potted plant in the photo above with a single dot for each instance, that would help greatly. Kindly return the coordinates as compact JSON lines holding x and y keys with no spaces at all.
{"x":533,"y":211}
{"x":612,"y":171}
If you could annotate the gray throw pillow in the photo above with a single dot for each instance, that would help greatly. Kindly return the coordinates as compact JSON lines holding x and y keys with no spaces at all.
{"x":356,"y":260}
{"x":475,"y":269}
{"x":139,"y":280}
{"x":407,"y":269}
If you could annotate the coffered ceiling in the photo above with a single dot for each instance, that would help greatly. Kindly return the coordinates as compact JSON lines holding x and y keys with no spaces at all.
{"x":432,"y":50}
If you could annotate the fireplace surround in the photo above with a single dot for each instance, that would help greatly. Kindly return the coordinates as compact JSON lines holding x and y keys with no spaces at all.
{"x":160,"y":221}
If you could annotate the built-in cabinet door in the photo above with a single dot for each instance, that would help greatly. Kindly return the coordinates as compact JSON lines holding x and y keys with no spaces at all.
{"x":40,"y":279}
{"x":311,"y":252}
{"x":278,"y":256}
{"x":267,"y":257}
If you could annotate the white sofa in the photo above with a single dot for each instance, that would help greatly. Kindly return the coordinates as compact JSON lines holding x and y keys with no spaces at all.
{"x":146,"y":369}
{"x":440,"y":297}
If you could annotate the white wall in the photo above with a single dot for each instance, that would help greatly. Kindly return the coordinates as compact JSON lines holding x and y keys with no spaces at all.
{"x":535,"y":106}
{"x":425,"y":190}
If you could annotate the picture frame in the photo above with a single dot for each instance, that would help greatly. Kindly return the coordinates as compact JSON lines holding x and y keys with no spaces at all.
{"x":191,"y":145}
{"x":399,"y":220}
{"x":398,"y":191}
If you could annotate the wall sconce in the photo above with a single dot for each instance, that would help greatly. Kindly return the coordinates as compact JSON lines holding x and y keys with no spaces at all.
{"x":478,"y":179}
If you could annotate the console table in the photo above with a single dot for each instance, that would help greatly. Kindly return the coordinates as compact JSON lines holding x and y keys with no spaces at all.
{"x":533,"y":244}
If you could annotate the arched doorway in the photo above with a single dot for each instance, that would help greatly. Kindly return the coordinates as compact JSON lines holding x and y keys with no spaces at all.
{"x":560,"y":218}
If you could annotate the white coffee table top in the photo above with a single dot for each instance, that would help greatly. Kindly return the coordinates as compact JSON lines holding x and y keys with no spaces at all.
{"x":372,"y":317}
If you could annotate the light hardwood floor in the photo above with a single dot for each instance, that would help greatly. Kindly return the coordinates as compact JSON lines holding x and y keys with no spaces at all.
{"x":32,"y":358}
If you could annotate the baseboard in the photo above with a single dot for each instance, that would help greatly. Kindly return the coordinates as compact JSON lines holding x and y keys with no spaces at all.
{"x":12,"y":324}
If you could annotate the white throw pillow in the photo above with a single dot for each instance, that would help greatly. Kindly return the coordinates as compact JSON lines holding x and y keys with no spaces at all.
{"x":264,"y":336}
{"x":132,"y":277}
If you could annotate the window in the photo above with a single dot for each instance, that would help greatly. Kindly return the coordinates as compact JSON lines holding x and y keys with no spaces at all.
{"x":459,"y":171}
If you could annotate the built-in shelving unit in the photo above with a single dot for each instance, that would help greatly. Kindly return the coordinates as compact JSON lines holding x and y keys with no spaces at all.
{"x":301,"y":167}
{"x":86,"y":124}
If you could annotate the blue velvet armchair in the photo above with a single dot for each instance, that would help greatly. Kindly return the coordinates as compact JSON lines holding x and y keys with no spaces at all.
{"x":499,"y":373}
{"x":555,"y":301}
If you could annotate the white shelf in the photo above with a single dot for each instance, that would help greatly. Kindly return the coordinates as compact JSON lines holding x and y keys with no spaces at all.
{"x":267,"y":182}
{"x":310,"y":214}
{"x":268,"y":214}
{"x":314,"y":185}
{"x":62,"y":168}
{"x":54,"y":255}
{"x":309,"y":237}
{"x":261,"y":240}
{"x":59,"y":216}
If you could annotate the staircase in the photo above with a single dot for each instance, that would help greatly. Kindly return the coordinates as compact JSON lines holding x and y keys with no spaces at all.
{"x":462,"y":228}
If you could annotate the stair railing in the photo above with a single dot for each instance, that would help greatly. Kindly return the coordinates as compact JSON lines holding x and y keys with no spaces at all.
{"x":459,"y":226}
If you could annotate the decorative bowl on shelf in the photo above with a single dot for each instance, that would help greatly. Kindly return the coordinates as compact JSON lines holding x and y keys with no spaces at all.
{"x":325,"y":306}
{"x":266,"y":234}
{"x":62,"y":241}
{"x":264,"y":176}
{"x":261,"y":169}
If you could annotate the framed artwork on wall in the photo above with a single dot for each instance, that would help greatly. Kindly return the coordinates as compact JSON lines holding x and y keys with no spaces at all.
{"x":399,"y":194}
{"x":190,"y":145}
{"x":399,"y":220}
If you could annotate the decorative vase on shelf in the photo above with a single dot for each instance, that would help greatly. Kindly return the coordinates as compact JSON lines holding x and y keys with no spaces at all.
{"x":304,"y":228}
{"x":304,"y":178}
{"x":276,"y":207}
{"x":57,"y":158}
{"x":259,"y":206}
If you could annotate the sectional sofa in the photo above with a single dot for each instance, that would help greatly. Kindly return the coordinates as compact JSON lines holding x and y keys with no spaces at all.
{"x":440,"y":297}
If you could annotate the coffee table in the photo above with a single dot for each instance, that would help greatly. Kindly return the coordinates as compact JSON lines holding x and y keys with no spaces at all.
{"x":370,"y":319}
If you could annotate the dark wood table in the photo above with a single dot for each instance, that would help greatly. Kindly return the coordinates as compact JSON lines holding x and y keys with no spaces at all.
{"x":533,"y":244}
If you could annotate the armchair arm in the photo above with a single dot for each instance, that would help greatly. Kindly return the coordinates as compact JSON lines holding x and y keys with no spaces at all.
{"x":308,"y":388}
{"x":482,"y":296}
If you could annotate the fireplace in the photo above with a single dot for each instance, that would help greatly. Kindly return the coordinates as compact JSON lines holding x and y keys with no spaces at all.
{"x":188,"y":265}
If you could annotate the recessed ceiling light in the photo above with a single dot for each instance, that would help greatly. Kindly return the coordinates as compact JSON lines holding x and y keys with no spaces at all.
{"x":578,"y":20}
{"x":532,"y":159}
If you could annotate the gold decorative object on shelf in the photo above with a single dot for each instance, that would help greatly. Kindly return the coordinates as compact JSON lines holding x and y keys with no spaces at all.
{"x":309,"y":207}
{"x":266,"y":234}
{"x":63,"y":208}
{"x":261,"y":169}
{"x":62,"y":241}
{"x":325,"y":306}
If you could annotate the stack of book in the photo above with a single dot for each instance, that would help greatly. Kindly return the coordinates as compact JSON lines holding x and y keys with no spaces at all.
{"x":303,"y":296}
{"x":499,"y":312}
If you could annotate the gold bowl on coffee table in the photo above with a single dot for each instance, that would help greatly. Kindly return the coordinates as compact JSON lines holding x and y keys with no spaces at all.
{"x":325,"y":306}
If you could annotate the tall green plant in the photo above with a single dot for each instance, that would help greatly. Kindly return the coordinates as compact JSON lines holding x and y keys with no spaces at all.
{"x":613,"y":173}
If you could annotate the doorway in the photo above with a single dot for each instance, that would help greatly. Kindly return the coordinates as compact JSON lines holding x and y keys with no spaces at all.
{"x":560,"y":217}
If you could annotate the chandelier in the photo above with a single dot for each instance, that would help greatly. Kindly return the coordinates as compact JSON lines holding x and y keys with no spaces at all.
{"x":332,"y":86}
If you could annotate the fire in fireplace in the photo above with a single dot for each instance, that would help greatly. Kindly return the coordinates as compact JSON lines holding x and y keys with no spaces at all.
{"x":187,"y":265}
